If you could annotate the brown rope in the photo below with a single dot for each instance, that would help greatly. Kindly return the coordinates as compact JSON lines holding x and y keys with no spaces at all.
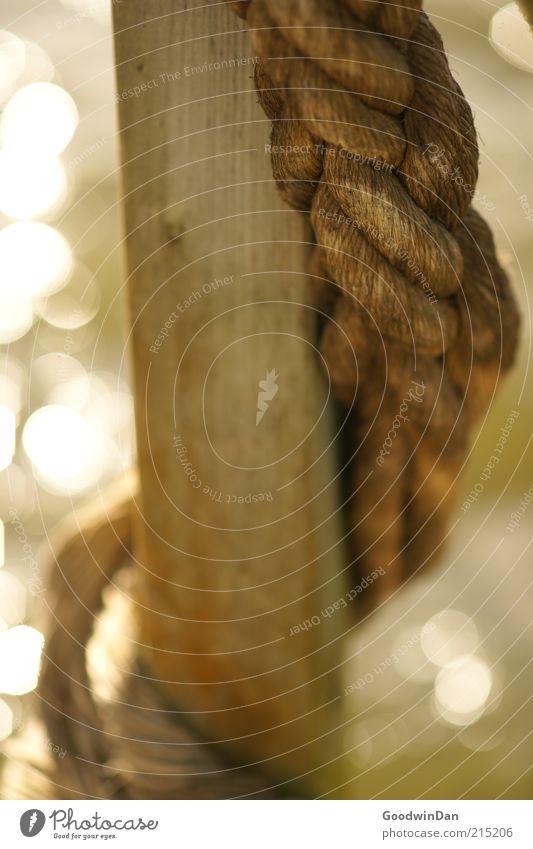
{"x":110,"y":733}
{"x":373,"y":137}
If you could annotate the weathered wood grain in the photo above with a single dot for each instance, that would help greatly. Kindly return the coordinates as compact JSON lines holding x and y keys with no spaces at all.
{"x":237,"y":524}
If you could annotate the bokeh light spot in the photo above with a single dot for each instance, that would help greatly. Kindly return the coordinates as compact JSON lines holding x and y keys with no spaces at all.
{"x":35,"y":259}
{"x":6,"y":720}
{"x":12,"y":599}
{"x":8,"y":428}
{"x":462,"y":689}
{"x":20,"y":657}
{"x":30,"y":186}
{"x":62,"y":447}
{"x":39,"y":117}
{"x":448,"y":635}
{"x":511,"y":37}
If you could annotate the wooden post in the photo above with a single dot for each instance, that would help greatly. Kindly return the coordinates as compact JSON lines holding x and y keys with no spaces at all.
{"x":237,"y":523}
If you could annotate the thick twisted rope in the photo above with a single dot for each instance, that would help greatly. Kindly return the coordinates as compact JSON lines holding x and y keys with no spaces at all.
{"x":110,"y":733}
{"x":373,"y":137}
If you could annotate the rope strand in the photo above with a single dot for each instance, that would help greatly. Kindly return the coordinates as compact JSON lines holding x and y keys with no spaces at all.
{"x":387,"y":166}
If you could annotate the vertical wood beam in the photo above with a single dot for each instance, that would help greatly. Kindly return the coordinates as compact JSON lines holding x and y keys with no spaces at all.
{"x":237,"y":523}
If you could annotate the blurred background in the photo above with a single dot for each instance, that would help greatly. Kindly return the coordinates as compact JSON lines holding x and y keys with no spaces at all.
{"x":438,"y":686}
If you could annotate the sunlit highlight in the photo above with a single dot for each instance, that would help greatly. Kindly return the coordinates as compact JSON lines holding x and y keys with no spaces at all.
{"x":76,"y":304}
{"x":12,"y":599}
{"x":511,"y":37}
{"x":16,"y":316}
{"x":40,"y":117}
{"x":8,"y":427}
{"x":30,"y":186}
{"x":6,"y":720}
{"x":448,"y":635}
{"x":35,"y":259}
{"x":63,"y":447}
{"x":98,"y":10}
{"x":462,"y":689}
{"x":12,"y":60}
{"x":20,"y":656}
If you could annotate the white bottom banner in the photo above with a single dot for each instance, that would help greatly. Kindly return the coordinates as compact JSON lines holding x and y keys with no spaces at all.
{"x":262,"y":824}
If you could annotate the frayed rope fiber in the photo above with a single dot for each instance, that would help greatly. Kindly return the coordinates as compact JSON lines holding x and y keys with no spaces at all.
{"x":373,"y":138}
